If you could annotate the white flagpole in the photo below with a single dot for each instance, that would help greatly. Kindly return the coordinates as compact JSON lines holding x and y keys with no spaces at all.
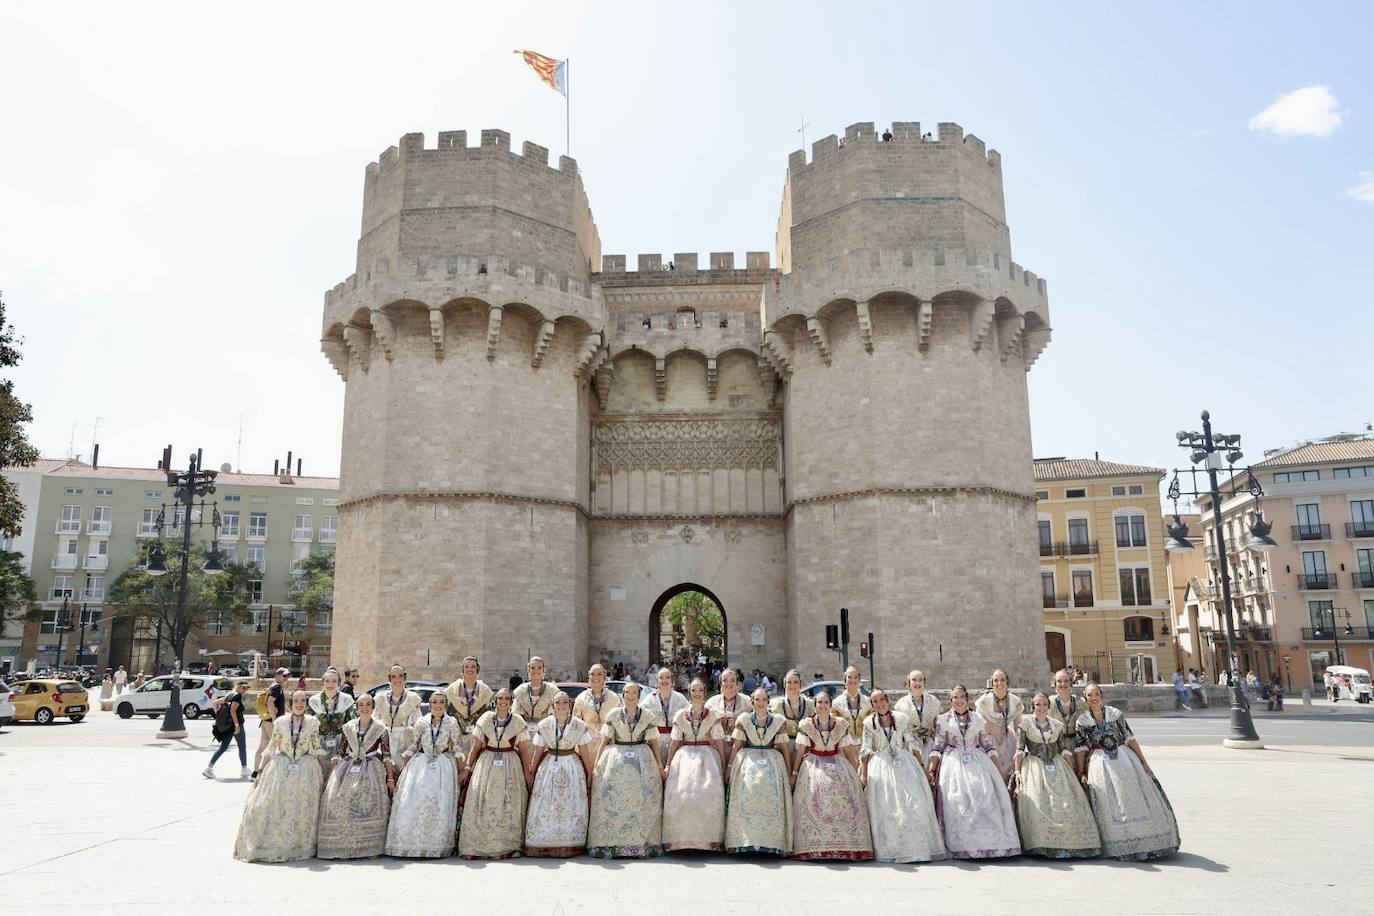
{"x":567,"y":107}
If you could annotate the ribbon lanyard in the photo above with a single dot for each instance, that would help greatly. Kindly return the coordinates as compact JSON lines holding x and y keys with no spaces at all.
{"x":394,"y":706}
{"x":664,"y":704}
{"x":597,"y":700}
{"x":762,"y":730}
{"x":963,"y":726}
{"x":295,"y":734}
{"x":362,"y":741}
{"x":631,"y":723}
{"x":825,"y":735}
{"x":888,"y":729}
{"x":921,"y":710}
{"x":501,"y":732}
{"x":1043,"y":739}
{"x":696,"y":728}
{"x":787,"y":708}
{"x":434,"y":735}
{"x":469,"y":697}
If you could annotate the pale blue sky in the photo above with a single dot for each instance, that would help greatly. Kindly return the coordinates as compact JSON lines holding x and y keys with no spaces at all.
{"x":170,"y":175}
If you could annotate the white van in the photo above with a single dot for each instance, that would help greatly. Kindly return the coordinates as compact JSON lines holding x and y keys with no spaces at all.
{"x":198,"y":694}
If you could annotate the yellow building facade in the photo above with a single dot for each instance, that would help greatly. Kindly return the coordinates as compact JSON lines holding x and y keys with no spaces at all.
{"x":1103,"y":570}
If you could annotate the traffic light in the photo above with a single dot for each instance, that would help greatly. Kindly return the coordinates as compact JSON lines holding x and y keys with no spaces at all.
{"x":832,"y":636}
{"x":863,"y":650}
{"x":844,"y":626}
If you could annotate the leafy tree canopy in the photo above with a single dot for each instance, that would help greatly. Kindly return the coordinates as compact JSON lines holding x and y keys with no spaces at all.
{"x":15,"y":450}
{"x":136,"y":594}
{"x":312,"y":587}
{"x":16,"y":590}
{"x":698,"y":610}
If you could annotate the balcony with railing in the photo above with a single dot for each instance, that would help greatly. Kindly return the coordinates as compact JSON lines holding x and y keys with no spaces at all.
{"x":147,"y":530}
{"x":1363,"y":579}
{"x":1255,"y":633}
{"x":1083,"y":599}
{"x":330,"y":535}
{"x":1364,"y":529}
{"x":1316,"y":581}
{"x":64,"y":561}
{"x":1324,"y":634}
{"x":96,"y":562}
{"x":303,"y":534}
{"x":1209,"y":551}
{"x":1054,"y":601}
{"x":1076,"y":549}
{"x":69,"y":526}
{"x":1046,"y":550}
{"x":1311,"y":532}
{"x":93,"y":594}
{"x":98,"y":527}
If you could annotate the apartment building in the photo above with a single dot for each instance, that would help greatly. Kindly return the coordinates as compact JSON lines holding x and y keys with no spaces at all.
{"x":90,"y":523}
{"x":1103,"y":571}
{"x":1301,"y":604}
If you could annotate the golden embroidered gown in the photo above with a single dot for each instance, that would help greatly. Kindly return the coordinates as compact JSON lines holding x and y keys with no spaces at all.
{"x":920,"y":720}
{"x":627,"y":790}
{"x":694,"y":792}
{"x":281,"y":815}
{"x":355,"y":807}
{"x":399,"y":716}
{"x":466,"y":705}
{"x":493,"y":825}
{"x":1052,"y":810}
{"x":534,"y":708}
{"x":424,"y":811}
{"x":792,"y":713}
{"x":665,"y":711}
{"x":758,"y":816}
{"x":556,"y":825}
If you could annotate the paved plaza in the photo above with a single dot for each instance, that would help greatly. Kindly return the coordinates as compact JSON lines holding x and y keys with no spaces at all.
{"x":103,"y":817}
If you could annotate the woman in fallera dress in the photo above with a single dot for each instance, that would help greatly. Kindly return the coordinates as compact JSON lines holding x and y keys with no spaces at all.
{"x":332,"y":707}
{"x":556,"y":826}
{"x":728,"y":705}
{"x":533,"y":700}
{"x":627,"y":785}
{"x":852,"y":705}
{"x":793,"y":707}
{"x":1065,"y":705}
{"x":281,"y":816}
{"x":829,"y":815}
{"x":593,"y":704}
{"x":972,"y":801}
{"x":493,"y":824}
{"x":356,"y":803}
{"x":1001,"y":712}
{"x":901,"y":809}
{"x":1051,"y":808}
{"x":424,"y":809}
{"x":666,"y":703}
{"x":920,"y":710}
{"x":694,"y":783}
{"x":1133,"y":814}
{"x":468,"y":698}
{"x":398,"y":709}
{"x":759,"y":815}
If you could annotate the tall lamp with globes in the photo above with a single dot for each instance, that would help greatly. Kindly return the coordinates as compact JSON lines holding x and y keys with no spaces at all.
{"x":188,"y":486}
{"x":1336,"y":630}
{"x":1215,"y":452}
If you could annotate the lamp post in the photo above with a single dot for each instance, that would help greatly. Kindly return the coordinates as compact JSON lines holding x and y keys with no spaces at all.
{"x":1336,"y":630}
{"x":1208,"y":449}
{"x":189,"y":485}
{"x":61,"y":626}
{"x":267,"y":640}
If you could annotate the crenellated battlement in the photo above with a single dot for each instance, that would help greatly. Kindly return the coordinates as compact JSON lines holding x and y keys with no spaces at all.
{"x":948,"y":138}
{"x":452,"y":144}
{"x":684,"y":268}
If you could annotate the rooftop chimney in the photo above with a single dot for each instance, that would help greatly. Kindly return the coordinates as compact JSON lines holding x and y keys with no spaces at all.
{"x":95,"y":456}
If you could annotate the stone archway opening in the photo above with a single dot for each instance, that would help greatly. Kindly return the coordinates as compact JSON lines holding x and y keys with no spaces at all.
{"x":687,"y":623}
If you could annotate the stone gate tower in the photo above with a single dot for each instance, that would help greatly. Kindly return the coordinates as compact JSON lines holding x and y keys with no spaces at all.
{"x":537,"y":453}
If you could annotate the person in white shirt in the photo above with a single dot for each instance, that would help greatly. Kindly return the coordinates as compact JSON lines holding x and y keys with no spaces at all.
{"x":121,"y":677}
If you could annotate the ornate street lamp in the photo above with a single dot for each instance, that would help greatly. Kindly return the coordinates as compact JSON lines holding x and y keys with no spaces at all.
{"x":189,"y":485}
{"x":1335,"y":630}
{"x":1213,"y":451}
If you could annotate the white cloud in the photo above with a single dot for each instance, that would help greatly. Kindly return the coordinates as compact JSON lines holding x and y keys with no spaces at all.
{"x":1363,"y":190}
{"x":1306,"y":112}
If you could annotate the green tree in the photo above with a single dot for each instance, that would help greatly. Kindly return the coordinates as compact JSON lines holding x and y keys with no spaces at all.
{"x":700,"y":613}
{"x":311,"y":587}
{"x":15,"y":450}
{"x":137,"y":595}
{"x":16,"y":591}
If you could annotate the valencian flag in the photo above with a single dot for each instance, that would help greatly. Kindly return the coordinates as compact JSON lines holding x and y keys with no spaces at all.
{"x":554,"y":73}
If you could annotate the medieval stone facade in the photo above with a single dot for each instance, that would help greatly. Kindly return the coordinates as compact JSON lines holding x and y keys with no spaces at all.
{"x":540,"y":444}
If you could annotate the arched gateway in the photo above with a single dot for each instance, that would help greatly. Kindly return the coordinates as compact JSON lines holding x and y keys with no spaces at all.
{"x":668,"y":640}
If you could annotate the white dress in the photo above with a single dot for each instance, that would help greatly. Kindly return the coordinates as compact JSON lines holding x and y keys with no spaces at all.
{"x":281,"y":816}
{"x":901,"y":808}
{"x":424,"y":811}
{"x":973,"y":804}
{"x":694,"y":792}
{"x":399,"y":717}
{"x":556,"y":825}
{"x":494,"y":812}
{"x":627,"y":791}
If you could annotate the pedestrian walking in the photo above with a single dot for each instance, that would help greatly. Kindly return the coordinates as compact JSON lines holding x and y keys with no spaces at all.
{"x":229,"y":727}
{"x":271,"y":704}
{"x":121,"y":677}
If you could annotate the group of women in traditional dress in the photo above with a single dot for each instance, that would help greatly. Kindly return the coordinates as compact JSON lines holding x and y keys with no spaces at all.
{"x":647,"y":771}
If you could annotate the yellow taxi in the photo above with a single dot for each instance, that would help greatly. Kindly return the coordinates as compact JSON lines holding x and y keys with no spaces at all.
{"x":44,"y":700}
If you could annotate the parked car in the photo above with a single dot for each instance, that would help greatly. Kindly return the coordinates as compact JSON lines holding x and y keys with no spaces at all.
{"x":834,"y":688}
{"x":6,"y":703}
{"x":48,"y":699}
{"x":423,"y":688}
{"x":198,"y":695}
{"x":233,"y":672}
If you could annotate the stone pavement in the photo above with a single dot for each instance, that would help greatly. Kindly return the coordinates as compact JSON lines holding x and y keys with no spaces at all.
{"x":103,"y":817}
